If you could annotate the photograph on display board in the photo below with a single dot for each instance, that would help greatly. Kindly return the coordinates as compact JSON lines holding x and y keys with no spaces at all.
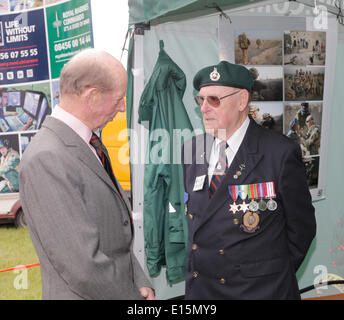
{"x":258,"y":47}
{"x":25,"y":139}
{"x":24,"y":108}
{"x":312,"y":171}
{"x":268,"y":114}
{"x":268,"y":83}
{"x":304,"y":83}
{"x":302,"y":123}
{"x":9,"y":163}
{"x":304,"y":48}
{"x":19,"y":5}
{"x":4,"y":6}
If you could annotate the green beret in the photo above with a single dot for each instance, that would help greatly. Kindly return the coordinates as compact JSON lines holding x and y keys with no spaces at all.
{"x":224,"y":74}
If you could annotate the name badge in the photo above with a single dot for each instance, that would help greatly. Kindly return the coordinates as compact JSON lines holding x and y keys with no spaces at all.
{"x":199,"y":183}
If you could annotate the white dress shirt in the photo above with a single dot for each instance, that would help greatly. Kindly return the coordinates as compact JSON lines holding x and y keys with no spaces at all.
{"x":233,"y":142}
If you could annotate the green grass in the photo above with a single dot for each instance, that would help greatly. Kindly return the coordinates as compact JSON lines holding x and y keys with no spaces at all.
{"x":16,"y":249}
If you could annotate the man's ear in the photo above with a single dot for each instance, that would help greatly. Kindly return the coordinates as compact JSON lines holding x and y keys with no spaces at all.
{"x":91,"y":97}
{"x":244,"y":99}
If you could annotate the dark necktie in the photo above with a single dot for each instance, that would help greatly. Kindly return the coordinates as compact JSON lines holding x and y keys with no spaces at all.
{"x":102,"y":153}
{"x":220,"y":169}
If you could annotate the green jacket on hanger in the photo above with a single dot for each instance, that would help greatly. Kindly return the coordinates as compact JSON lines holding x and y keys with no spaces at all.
{"x":165,"y":228}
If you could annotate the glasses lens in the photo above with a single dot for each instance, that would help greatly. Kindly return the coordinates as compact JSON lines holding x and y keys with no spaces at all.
{"x":199,"y":100}
{"x":213,"y":101}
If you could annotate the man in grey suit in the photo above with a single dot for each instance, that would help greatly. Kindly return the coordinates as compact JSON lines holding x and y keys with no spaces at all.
{"x":78,"y":217}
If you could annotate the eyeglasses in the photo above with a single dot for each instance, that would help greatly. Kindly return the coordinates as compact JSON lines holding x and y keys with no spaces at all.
{"x":214,"y":101}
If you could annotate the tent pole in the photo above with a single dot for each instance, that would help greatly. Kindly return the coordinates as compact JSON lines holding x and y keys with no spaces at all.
{"x":137,"y":150}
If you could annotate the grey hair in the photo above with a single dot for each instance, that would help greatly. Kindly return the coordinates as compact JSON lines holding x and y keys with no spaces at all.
{"x":88,"y":69}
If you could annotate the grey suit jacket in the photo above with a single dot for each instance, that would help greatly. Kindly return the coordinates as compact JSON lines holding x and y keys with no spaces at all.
{"x":78,"y":222}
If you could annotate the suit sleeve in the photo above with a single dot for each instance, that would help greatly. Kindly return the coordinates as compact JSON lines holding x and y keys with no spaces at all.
{"x":140,"y":278}
{"x":297,"y":204}
{"x":69,"y":238}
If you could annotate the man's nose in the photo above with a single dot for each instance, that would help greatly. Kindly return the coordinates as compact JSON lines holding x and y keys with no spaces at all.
{"x":205,"y":106}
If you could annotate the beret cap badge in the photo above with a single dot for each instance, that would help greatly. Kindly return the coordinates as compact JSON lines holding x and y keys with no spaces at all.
{"x":214,"y":75}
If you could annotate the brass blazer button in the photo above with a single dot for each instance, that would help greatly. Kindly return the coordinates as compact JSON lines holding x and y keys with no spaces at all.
{"x":195,"y":274}
{"x":222,"y":281}
{"x":221,"y":251}
{"x":191,"y":216}
{"x":194,"y":246}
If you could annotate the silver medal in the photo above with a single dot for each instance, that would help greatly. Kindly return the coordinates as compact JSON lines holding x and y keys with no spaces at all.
{"x":272,"y":205}
{"x":262,"y":205}
{"x":253,"y":206}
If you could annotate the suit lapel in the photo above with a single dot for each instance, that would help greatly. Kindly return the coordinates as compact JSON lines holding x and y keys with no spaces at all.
{"x":82,"y":151}
{"x":244,"y":161}
{"x":202,"y":151}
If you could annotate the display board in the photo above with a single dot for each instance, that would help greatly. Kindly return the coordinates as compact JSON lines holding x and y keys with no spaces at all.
{"x":36,"y":39}
{"x":288,"y":59}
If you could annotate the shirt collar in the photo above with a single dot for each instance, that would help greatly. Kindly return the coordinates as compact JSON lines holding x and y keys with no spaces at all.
{"x":74,"y":123}
{"x":237,"y":137}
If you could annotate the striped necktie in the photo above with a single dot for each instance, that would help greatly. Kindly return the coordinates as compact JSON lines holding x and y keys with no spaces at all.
{"x":220,"y":169}
{"x":102,"y":153}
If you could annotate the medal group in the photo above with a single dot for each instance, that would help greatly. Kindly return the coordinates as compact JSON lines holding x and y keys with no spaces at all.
{"x":258,"y":193}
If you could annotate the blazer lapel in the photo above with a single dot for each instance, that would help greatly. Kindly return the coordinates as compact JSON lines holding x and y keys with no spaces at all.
{"x":244,"y":162}
{"x":80,"y":149}
{"x":202,"y":152}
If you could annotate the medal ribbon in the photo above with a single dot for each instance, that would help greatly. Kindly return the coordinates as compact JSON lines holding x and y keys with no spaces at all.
{"x":243,"y":191}
{"x":233,"y":192}
{"x":271,"y":190}
{"x":253,"y":191}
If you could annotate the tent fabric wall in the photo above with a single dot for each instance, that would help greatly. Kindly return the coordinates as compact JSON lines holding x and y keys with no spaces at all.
{"x":193,"y":43}
{"x":149,"y":10}
{"x":146,"y":10}
{"x":326,"y":249}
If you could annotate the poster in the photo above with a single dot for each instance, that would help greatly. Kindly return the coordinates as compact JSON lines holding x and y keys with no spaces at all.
{"x":36,"y":39}
{"x":23,"y":48}
{"x":69,"y":30}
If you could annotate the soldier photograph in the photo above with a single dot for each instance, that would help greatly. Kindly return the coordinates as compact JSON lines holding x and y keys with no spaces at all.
{"x":258,"y":48}
{"x":267,"y":84}
{"x":302,"y":123}
{"x":268,"y":115}
{"x":302,"y":83}
{"x":304,"y":47}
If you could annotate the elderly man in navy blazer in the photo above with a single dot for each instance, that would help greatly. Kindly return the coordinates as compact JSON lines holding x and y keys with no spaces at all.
{"x":249,"y":209}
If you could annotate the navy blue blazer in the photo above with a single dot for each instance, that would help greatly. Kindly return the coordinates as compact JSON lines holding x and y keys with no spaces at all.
{"x":225,"y":261}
